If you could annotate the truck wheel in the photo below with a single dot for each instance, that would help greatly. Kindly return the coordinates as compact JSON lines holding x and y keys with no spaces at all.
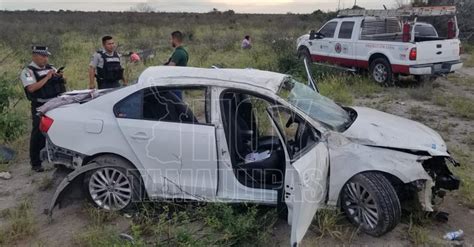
{"x":114,"y":188}
{"x":371,"y":203}
{"x":381,"y":71}
{"x":304,"y":53}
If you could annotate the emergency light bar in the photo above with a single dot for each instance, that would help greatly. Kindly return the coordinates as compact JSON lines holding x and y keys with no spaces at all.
{"x":415,"y":12}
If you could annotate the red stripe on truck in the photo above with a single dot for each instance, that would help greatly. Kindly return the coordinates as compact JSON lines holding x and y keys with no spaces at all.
{"x":347,"y":62}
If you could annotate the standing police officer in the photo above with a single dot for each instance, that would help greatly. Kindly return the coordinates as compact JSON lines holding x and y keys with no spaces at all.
{"x":41,"y":82}
{"x":105,"y":66}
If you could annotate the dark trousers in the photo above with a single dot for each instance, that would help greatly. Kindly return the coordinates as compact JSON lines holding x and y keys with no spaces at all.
{"x":37,"y":139}
{"x":107,"y":84}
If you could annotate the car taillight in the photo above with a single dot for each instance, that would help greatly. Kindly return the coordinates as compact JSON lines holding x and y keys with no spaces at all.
{"x":461,"y":49}
{"x":45,"y":124}
{"x":413,"y":54}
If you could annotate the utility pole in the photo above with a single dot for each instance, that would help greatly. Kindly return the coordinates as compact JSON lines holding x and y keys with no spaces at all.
{"x":355,"y":2}
{"x":339,"y":5}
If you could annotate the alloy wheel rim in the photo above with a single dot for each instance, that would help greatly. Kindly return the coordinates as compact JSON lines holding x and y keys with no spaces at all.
{"x":380,"y":73}
{"x":361,"y":206}
{"x":110,"y":189}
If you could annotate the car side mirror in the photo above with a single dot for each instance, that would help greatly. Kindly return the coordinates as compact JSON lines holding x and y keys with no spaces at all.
{"x":312,"y":35}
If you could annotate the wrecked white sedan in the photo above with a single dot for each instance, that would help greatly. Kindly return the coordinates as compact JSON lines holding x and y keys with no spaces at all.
{"x":244,"y":135}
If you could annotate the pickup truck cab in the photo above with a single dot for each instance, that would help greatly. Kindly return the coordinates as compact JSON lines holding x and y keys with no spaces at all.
{"x":383,"y":45}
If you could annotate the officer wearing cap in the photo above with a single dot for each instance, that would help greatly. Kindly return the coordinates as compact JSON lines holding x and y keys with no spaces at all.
{"x":41,"y":82}
{"x":106,"y":66}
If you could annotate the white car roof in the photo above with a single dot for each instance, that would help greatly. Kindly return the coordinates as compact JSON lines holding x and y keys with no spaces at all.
{"x":249,"y":77}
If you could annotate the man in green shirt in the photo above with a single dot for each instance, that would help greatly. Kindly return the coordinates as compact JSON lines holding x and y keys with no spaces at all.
{"x":180,"y":56}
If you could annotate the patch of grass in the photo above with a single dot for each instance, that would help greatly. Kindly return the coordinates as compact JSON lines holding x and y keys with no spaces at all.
{"x":240,"y":224}
{"x":337,"y":90}
{"x":46,"y":183}
{"x":417,"y":113}
{"x":466,"y":174}
{"x":101,"y":236}
{"x":440,"y":99}
{"x":20,"y":224}
{"x":418,"y":235}
{"x":4,"y":167}
{"x":462,"y":107}
{"x":98,"y":216}
{"x":363,"y":87}
{"x":331,"y":223}
{"x":422,"y":93}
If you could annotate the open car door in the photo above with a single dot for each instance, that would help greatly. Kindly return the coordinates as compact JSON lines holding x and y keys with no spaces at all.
{"x":307,"y":164}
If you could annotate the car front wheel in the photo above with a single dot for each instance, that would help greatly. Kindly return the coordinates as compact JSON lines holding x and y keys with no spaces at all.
{"x":371,"y":203}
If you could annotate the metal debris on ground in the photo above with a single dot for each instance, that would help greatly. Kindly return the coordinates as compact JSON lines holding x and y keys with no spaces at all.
{"x":455,"y":235}
{"x":127,"y":237}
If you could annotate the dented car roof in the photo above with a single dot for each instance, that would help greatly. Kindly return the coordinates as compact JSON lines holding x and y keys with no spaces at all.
{"x":252,"y":77}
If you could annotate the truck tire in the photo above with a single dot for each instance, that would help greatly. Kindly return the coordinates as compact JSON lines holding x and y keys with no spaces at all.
{"x":304,"y":53}
{"x":381,"y":71}
{"x":371,"y":203}
{"x":113,"y":188}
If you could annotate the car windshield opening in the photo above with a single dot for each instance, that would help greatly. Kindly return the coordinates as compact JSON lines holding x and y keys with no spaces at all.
{"x":316,"y":106}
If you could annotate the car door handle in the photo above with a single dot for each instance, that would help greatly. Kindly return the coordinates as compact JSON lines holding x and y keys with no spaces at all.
{"x":140,"y":136}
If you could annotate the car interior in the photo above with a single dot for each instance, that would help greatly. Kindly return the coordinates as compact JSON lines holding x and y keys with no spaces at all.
{"x":256,"y":151}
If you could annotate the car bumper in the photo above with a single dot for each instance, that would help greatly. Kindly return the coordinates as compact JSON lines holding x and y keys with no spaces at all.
{"x":436,"y":68}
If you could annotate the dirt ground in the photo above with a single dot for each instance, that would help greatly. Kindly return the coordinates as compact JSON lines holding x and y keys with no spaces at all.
{"x":70,"y":220}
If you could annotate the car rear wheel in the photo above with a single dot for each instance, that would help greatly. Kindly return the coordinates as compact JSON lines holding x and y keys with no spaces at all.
{"x":371,"y":203}
{"x":381,"y":71}
{"x":114,"y":187}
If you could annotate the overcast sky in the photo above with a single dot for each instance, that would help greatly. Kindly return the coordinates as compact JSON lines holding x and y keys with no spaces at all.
{"x":241,"y":6}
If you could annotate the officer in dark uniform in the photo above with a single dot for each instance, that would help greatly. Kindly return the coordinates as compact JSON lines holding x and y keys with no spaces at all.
{"x":41,"y":82}
{"x":106,"y":66}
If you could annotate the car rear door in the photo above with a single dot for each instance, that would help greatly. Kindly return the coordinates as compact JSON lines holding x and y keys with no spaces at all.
{"x":306,"y":172}
{"x":168,"y":131}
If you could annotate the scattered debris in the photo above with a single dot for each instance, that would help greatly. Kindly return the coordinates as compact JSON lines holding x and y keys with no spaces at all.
{"x":456,"y":235}
{"x":6,"y":154}
{"x":5,"y":175}
{"x":127,"y":237}
{"x":400,"y":102}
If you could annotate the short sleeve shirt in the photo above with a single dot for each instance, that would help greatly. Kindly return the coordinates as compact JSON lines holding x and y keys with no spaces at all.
{"x":98,"y":62}
{"x":27,"y":76}
{"x":180,"y":56}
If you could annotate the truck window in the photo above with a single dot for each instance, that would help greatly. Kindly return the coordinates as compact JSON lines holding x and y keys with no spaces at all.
{"x":425,"y":31}
{"x":345,"y":32}
{"x":329,"y":29}
{"x":371,"y":28}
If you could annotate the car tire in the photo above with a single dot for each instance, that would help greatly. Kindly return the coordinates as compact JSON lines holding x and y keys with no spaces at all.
{"x":115,"y":187}
{"x":303,"y":53}
{"x":371,"y":203}
{"x":381,"y":71}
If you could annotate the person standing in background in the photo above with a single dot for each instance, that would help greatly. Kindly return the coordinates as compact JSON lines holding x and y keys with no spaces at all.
{"x":246,"y":42}
{"x":180,"y":56}
{"x":106,"y":66}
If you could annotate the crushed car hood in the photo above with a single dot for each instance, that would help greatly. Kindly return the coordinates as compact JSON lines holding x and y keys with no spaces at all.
{"x":376,"y":128}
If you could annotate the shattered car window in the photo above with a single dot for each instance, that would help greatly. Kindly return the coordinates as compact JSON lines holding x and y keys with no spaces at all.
{"x":314,"y":105}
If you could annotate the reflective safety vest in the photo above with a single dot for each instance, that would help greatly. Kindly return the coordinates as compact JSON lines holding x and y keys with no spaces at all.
{"x":52,"y":88}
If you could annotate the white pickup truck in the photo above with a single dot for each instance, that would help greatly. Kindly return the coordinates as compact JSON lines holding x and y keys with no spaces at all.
{"x":387,"y":43}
